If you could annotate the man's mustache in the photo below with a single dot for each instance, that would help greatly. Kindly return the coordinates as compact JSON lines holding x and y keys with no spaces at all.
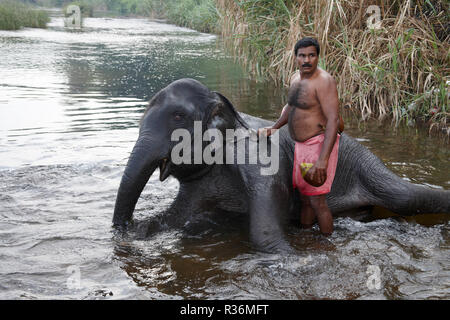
{"x":306,"y":65}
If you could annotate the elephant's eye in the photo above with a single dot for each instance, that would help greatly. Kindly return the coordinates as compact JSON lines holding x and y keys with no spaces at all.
{"x":177,"y":116}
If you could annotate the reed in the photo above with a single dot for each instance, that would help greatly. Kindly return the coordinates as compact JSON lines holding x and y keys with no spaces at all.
{"x":15,"y":15}
{"x":200,"y":15}
{"x":400,"y":70}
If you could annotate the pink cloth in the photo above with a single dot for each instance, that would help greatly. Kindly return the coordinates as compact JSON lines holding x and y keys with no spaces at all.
{"x":308,"y":152}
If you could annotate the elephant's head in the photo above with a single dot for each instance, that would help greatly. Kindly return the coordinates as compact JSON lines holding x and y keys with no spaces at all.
{"x":177,"y":106}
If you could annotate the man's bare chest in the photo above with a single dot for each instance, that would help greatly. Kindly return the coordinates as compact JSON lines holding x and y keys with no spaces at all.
{"x":302,"y":95}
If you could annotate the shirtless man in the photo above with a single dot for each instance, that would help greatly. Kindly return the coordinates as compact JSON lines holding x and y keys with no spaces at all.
{"x":312,"y":114}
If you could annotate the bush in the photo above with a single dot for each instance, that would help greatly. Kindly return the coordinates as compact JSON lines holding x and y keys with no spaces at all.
{"x":200,"y":15}
{"x":16,"y":15}
{"x":87,"y":9}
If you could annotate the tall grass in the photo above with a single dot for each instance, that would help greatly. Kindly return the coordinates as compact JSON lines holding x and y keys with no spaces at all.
{"x":200,"y":15}
{"x":401,"y":69}
{"x":15,"y":15}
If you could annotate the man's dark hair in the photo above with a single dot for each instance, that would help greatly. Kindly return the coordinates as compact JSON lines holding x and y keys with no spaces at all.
{"x":307,"y":42}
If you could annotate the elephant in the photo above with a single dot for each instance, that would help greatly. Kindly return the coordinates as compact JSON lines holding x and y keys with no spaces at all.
{"x":269,"y":201}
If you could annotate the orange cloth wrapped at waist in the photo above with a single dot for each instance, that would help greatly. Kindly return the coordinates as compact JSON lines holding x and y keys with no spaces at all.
{"x":305,"y":155}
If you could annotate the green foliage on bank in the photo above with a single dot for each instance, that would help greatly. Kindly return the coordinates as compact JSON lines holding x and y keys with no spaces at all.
{"x":15,"y":15}
{"x":112,"y":7}
{"x":200,"y":15}
{"x":86,"y":8}
{"x":126,"y":7}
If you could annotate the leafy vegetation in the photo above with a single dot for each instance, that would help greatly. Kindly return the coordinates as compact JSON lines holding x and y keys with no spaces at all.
{"x":15,"y":15}
{"x":86,"y":8}
{"x":200,"y":15}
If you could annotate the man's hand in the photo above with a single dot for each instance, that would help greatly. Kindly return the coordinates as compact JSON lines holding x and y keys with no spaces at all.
{"x":317,"y":175}
{"x":266,"y":131}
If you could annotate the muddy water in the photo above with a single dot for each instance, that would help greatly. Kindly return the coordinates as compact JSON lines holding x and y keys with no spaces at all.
{"x":70,"y":102}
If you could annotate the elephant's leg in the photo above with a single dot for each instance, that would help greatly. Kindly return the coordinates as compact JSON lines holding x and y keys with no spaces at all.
{"x":408,"y":199}
{"x":385,"y":189}
{"x":196,"y":202}
{"x":173,"y":217}
{"x":267,"y":206}
{"x":362,"y":179}
{"x":151,"y":226}
{"x":186,"y":203}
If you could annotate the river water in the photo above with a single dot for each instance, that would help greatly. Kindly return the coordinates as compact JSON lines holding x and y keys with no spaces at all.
{"x":70,"y":102}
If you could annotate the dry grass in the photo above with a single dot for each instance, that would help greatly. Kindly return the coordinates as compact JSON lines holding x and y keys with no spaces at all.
{"x":400,"y":70}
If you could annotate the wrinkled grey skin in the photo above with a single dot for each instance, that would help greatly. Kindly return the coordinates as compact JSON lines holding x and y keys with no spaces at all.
{"x":361,"y":179}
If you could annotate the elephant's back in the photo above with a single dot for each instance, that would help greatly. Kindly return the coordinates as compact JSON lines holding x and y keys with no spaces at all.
{"x":254,"y":122}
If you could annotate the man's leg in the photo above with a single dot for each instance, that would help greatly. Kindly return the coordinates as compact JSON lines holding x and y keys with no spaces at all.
{"x":307,"y":216}
{"x":323,"y":213}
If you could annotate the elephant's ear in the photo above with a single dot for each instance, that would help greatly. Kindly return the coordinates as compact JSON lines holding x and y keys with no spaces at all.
{"x":224,"y":116}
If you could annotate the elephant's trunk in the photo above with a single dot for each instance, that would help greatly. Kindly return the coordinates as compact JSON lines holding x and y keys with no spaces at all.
{"x":143,"y":161}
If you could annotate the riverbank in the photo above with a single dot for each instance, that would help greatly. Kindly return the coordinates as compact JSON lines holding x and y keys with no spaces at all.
{"x":15,"y":15}
{"x":397,"y":68}
{"x":390,"y":61}
{"x":200,"y":15}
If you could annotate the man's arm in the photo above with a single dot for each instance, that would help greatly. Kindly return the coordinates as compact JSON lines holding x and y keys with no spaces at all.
{"x":284,"y":117}
{"x":328,"y":98}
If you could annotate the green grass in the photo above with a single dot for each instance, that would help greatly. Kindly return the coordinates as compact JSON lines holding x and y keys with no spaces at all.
{"x":200,"y":15}
{"x":15,"y":15}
